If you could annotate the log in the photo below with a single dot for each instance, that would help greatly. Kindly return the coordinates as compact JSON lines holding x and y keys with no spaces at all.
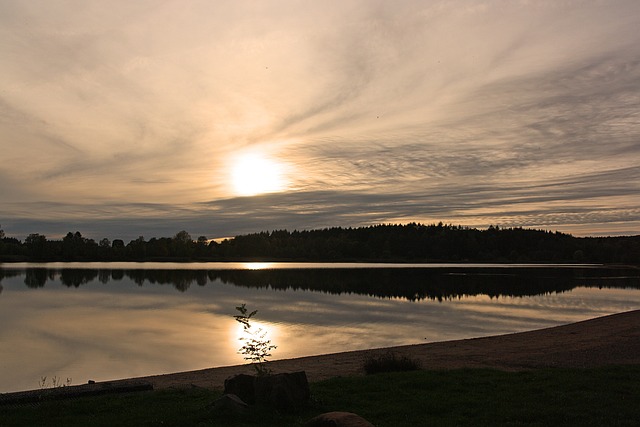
{"x":67,"y":392}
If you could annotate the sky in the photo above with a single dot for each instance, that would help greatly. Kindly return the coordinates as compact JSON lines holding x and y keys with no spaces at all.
{"x":122,"y":119}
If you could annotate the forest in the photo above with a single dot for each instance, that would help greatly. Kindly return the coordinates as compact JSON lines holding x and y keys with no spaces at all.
{"x":411,"y":242}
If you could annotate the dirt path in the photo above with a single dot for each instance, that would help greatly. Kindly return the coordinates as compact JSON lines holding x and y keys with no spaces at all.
{"x":609,"y":340}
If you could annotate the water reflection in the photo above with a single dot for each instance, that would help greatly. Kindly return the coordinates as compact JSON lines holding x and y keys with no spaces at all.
{"x":105,"y":323}
{"x":413,"y":284}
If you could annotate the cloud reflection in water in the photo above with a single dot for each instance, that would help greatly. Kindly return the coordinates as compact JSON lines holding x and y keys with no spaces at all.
{"x":119,"y":324}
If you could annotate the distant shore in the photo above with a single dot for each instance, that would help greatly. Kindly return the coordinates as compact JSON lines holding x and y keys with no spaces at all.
{"x":411,"y":242}
{"x":608,"y":340}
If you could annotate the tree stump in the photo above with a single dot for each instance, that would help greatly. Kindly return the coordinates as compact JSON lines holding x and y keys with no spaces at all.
{"x":285,"y":391}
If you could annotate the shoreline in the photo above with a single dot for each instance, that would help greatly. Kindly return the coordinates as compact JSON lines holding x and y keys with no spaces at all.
{"x":601,"y":341}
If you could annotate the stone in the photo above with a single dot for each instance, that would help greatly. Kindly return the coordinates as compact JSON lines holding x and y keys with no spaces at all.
{"x":243,"y":386}
{"x":285,"y":391}
{"x":229,"y":403}
{"x":338,"y":419}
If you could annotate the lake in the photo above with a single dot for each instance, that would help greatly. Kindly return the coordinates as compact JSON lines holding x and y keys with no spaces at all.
{"x":105,"y":321}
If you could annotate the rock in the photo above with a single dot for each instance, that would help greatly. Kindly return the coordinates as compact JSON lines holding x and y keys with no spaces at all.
{"x":338,"y":419}
{"x":243,"y":386}
{"x":229,"y":403}
{"x":285,"y":392}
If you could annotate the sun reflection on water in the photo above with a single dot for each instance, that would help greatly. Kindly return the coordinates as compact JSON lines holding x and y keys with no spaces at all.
{"x":265,"y":332}
{"x":257,"y":265}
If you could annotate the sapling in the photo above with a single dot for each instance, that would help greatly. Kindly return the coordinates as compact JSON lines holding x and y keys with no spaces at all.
{"x":256,"y":347}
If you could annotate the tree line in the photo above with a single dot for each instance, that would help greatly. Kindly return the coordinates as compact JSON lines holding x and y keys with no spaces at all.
{"x":411,"y":242}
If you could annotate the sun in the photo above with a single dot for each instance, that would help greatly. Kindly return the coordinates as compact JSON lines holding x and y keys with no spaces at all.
{"x":254,"y":174}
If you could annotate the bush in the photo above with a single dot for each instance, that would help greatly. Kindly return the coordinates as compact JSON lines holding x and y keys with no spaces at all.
{"x":390,"y":362}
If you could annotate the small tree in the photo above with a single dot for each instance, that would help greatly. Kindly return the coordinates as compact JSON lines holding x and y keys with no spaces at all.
{"x":256,"y":347}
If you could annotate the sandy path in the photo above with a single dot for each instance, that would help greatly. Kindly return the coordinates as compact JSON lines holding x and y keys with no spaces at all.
{"x":609,"y":340}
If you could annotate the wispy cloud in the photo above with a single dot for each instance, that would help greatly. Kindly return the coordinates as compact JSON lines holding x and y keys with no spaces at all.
{"x":498,"y":112}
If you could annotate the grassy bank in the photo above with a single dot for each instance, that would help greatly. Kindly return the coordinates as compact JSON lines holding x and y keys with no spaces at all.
{"x":573,"y":397}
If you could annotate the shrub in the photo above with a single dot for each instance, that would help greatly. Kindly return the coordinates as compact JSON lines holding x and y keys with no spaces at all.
{"x":390,"y":362}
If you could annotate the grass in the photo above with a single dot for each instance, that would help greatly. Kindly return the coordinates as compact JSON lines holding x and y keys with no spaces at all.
{"x":560,"y":397}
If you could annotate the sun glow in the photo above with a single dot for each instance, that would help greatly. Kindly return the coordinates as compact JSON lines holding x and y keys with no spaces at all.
{"x":254,"y":174}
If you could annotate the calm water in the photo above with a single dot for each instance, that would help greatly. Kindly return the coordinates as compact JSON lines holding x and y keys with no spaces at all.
{"x":108,"y":321}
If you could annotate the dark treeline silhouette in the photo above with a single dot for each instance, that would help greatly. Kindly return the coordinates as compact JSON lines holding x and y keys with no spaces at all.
{"x":408,"y":283}
{"x":381,"y":243}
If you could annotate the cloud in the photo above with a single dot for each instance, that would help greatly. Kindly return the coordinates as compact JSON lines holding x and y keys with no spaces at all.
{"x":406,"y":111}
